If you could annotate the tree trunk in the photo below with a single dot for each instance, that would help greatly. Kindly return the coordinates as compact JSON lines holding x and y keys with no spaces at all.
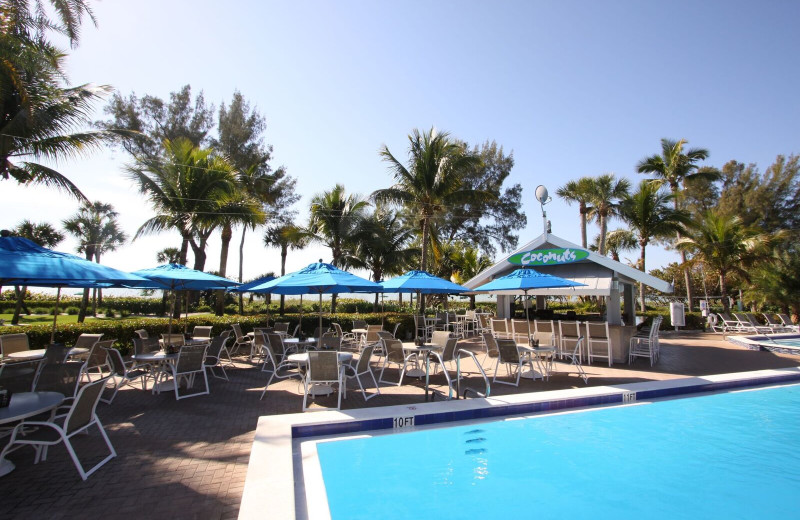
{"x":582,"y":211}
{"x":183,"y":258}
{"x":94,"y":302}
{"x":423,"y":262}
{"x":85,"y":299}
{"x":84,"y":306}
{"x":241,"y":268}
{"x":227,"y":235}
{"x":641,"y":285}
{"x":603,"y":227}
{"x":472,"y":302}
{"x":20,"y":303}
{"x":284,"y":252}
{"x":335,"y":261}
{"x":723,"y":291}
{"x":688,"y":279}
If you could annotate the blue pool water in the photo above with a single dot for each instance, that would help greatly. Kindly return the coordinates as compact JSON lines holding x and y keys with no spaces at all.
{"x":734,"y":455}
{"x":790,"y":342}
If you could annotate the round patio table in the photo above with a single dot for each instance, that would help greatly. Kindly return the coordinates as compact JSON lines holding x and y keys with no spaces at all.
{"x":38,"y":353}
{"x":22,"y":406}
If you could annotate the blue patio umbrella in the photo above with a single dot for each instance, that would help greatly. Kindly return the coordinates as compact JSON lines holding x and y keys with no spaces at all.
{"x":23,"y":262}
{"x":177,"y":277}
{"x":319,"y":278}
{"x":423,"y":282}
{"x":247,"y":287}
{"x":525,"y":279}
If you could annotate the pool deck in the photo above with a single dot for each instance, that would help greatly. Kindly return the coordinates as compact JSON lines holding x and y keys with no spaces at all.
{"x":188,"y":459}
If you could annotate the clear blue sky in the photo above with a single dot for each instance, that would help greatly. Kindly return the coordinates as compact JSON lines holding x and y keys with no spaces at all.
{"x":572,"y":88}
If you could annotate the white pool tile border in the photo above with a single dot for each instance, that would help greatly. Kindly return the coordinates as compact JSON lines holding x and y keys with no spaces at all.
{"x":269,"y":490}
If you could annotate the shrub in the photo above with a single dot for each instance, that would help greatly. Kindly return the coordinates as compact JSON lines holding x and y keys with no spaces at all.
{"x":73,"y":311}
{"x":41,"y":310}
{"x":694,"y":320}
{"x":110,"y":313}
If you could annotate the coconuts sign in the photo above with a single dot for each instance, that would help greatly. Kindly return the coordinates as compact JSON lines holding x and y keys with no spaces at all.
{"x":548,"y":257}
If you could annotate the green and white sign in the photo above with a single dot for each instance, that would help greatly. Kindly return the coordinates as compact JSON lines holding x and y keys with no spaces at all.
{"x":548,"y":257}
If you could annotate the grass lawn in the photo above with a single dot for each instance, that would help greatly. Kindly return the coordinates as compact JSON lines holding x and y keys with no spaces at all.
{"x":34,"y":319}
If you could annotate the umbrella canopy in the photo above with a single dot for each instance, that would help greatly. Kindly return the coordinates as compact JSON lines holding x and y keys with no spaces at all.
{"x":524,"y":280}
{"x":248,"y":287}
{"x":23,"y":262}
{"x":178,"y":277}
{"x":318,"y":278}
{"x":423,"y":282}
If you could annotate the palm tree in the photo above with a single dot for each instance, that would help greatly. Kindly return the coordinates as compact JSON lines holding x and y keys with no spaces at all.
{"x":43,"y":234}
{"x":726,"y":246}
{"x":648,"y":213}
{"x":617,"y":241}
{"x":605,"y":196}
{"x":40,"y":119}
{"x":674,"y":167}
{"x":579,"y":191}
{"x":285,"y":236}
{"x":335,"y":217}
{"x":469,"y":262}
{"x":188,"y":189}
{"x":382,"y":246}
{"x":241,"y":208}
{"x":97,"y":230}
{"x":431,"y":184}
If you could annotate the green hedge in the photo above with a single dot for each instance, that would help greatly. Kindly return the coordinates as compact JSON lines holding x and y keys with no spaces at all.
{"x":694,"y":320}
{"x":123,"y":330}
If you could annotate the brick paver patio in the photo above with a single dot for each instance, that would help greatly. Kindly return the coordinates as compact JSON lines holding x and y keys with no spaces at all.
{"x":188,"y":459}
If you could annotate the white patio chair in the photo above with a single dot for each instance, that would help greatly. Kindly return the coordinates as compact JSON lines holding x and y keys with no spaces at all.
{"x":240,"y":340}
{"x":787,"y":322}
{"x":274,"y":367}
{"x":775,"y":324}
{"x":363,"y":367}
{"x":97,"y":359}
{"x":569,"y":333}
{"x":214,"y":354}
{"x":396,"y":355}
{"x":323,"y":369}
{"x":574,"y":358}
{"x":202,"y":332}
{"x":12,"y":343}
{"x":500,"y":328}
{"x":520,"y":330}
{"x":123,"y":373}
{"x":510,"y":357}
{"x":424,"y":329}
{"x":188,"y":365}
{"x":645,"y":346}
{"x":597,"y":335}
{"x":81,"y":416}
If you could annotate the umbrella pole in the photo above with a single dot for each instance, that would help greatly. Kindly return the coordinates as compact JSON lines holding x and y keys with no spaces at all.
{"x":300,"y":321}
{"x":55,"y":316}
{"x":171,"y":312}
{"x":186,"y":320}
{"x":319,"y":340}
{"x":383,"y":311}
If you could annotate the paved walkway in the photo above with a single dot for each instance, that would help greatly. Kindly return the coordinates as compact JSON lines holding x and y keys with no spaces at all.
{"x":188,"y":459}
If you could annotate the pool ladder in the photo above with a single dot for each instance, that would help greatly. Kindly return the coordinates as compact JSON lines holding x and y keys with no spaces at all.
{"x":464,"y":353}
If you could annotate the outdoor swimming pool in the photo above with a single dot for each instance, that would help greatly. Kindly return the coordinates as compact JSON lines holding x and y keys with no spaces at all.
{"x":782,"y":343}
{"x":731,"y":455}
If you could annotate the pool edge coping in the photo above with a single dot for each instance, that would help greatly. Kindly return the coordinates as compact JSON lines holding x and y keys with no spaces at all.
{"x":270,"y":483}
{"x":761,"y":342}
